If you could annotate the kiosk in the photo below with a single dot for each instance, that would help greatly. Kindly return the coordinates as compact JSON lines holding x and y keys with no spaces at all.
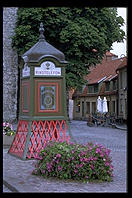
{"x":42,"y":109}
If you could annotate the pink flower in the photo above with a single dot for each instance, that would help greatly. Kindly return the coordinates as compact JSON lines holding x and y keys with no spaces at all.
{"x":102,"y":155}
{"x":81,"y":165}
{"x":108,"y":152}
{"x":57,"y":161}
{"x":4,"y":124}
{"x":91,"y":158}
{"x":111,"y":167}
{"x":92,"y":166}
{"x":43,"y":171}
{"x":107,"y":164}
{"x":75,"y":170}
{"x":7,"y":124}
{"x":97,"y":150}
{"x":85,"y":159}
{"x":69,"y":160}
{"x":59,"y":168}
{"x":58,"y":155}
{"x":81,"y":159}
{"x":77,"y":165}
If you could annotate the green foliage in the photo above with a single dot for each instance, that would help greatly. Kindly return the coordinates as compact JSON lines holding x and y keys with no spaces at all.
{"x":74,"y":31}
{"x":87,"y":162}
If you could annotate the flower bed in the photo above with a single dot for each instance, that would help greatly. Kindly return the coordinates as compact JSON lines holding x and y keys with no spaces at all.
{"x":8,"y":134}
{"x":87,"y":162}
{"x":8,"y":129}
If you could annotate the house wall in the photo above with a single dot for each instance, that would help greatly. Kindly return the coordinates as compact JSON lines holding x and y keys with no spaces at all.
{"x":122,"y":86}
{"x":92,"y":103}
{"x":88,"y":103}
{"x":83,"y":113}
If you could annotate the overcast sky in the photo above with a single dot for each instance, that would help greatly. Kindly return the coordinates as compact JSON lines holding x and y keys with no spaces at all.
{"x":120,"y":48}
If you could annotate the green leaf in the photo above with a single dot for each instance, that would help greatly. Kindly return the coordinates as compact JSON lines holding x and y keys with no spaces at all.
{"x":74,"y":31}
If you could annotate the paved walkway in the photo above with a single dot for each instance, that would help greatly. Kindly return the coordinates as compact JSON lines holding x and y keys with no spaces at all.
{"x":17,"y":173}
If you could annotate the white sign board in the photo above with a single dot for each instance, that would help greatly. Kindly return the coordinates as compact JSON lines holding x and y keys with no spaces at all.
{"x":26,"y":71}
{"x":47,"y":68}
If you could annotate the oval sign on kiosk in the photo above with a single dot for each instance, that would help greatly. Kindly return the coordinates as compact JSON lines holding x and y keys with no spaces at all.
{"x":47,"y":68}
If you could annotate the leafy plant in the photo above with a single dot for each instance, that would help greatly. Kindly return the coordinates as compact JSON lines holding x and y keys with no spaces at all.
{"x":87,"y":162}
{"x":8,"y":129}
{"x":74,"y":31}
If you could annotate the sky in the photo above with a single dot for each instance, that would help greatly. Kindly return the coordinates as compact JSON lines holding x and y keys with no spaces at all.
{"x":120,"y":48}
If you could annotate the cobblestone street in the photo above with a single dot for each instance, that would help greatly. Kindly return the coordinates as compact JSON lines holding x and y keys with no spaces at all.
{"x":17,"y":172}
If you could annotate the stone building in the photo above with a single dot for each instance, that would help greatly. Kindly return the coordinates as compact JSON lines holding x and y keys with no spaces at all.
{"x":10,"y":66}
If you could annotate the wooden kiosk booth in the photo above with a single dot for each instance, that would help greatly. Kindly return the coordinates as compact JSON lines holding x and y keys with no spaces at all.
{"x":42,"y":108}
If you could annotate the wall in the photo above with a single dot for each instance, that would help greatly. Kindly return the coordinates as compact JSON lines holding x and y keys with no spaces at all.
{"x":122,"y":93}
{"x":10,"y":66}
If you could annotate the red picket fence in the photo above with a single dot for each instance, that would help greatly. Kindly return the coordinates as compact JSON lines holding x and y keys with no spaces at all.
{"x":27,"y":144}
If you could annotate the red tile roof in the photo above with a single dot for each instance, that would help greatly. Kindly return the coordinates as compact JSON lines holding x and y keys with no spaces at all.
{"x":123,"y":63}
{"x":108,"y":53}
{"x":107,"y":69}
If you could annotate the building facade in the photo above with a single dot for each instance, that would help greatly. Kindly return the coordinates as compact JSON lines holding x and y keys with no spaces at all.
{"x":102,"y":81}
{"x":122,"y":89}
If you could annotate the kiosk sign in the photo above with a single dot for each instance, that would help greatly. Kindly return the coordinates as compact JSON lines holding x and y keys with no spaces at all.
{"x":47,"y":68}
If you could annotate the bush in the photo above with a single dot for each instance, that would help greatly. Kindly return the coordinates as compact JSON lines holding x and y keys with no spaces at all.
{"x":87,"y":162}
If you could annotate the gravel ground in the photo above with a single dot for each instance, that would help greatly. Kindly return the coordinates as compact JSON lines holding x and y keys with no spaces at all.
{"x":18,"y":172}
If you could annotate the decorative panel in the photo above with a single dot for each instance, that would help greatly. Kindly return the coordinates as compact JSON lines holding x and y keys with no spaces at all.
{"x":48,"y":99}
{"x":25,"y":96}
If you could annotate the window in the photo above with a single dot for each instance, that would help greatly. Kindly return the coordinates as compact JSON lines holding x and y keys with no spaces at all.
{"x":114,"y":84}
{"x":93,"y":88}
{"x":88,"y":107}
{"x":107,"y":86}
{"x":90,"y":89}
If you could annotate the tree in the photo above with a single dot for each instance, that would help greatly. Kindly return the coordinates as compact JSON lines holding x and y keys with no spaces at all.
{"x":82,"y":34}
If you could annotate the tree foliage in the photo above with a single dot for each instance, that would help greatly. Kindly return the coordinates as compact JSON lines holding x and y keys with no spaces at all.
{"x":74,"y":31}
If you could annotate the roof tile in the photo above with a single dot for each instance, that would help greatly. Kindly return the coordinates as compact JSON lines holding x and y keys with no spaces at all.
{"x":105,"y":69}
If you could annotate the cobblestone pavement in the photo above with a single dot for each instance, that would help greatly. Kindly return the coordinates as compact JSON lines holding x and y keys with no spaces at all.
{"x":18,"y":172}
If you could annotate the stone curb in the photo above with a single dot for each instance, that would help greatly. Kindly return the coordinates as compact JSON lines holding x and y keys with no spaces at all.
{"x":10,"y":187}
{"x":121,"y":128}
